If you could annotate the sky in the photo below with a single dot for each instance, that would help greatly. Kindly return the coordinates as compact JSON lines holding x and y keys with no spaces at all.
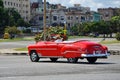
{"x":93,"y":4}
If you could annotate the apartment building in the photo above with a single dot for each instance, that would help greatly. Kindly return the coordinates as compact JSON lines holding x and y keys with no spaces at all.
{"x":108,"y":13}
{"x":58,"y":15}
{"x":74,"y":17}
{"x":78,"y":7}
{"x":22,"y":6}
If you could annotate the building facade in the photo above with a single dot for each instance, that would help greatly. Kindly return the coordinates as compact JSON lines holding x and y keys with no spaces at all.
{"x":58,"y":15}
{"x":108,"y":13}
{"x":21,"y":6}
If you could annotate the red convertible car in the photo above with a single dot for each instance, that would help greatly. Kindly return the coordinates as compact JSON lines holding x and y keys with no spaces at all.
{"x":70,"y":50}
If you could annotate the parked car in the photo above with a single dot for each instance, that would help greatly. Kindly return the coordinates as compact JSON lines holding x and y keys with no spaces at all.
{"x":71,"y":50}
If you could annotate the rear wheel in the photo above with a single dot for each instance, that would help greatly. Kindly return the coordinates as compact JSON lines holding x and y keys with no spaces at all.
{"x":91,"y":60}
{"x":34,"y":56}
{"x":72,"y":60}
{"x":53,"y":59}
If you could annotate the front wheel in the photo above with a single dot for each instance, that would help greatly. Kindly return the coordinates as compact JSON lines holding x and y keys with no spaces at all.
{"x":34,"y":56}
{"x":72,"y":60}
{"x":91,"y":60}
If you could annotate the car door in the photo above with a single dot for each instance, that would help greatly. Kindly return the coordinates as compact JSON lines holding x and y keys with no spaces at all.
{"x":50,"y":49}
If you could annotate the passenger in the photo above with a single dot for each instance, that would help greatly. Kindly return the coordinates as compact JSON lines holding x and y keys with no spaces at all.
{"x":58,"y":39}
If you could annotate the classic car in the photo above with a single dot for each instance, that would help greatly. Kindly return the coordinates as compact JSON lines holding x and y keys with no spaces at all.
{"x":72,"y":50}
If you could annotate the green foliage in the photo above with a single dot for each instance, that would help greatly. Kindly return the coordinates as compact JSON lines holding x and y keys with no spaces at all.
{"x":118,"y":36}
{"x":2,"y":22}
{"x":50,"y":32}
{"x":22,"y":23}
{"x":56,"y":30}
{"x":1,"y":4}
{"x":12,"y":30}
{"x":10,"y":17}
{"x":6,"y":36}
{"x":116,"y":23}
{"x":27,"y":31}
{"x":101,"y":27}
{"x":38,"y":37}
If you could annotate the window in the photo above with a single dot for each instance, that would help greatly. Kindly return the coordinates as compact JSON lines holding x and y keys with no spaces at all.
{"x":14,"y":4}
{"x":62,"y":17}
{"x":82,"y":18}
{"x":26,"y":17}
{"x":40,"y":18}
{"x":26,"y":6}
{"x":55,"y":18}
{"x":8,"y":3}
{"x":68,"y":24}
{"x":71,"y":18}
{"x":17,"y":5}
{"x":5,"y":2}
{"x":26,"y":11}
{"x":77,"y":17}
{"x":68,"y":17}
{"x":46,"y":17}
{"x":11,"y":3}
{"x":106,"y":14}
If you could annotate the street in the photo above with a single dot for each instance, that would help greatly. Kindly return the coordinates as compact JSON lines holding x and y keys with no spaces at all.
{"x":17,"y":44}
{"x":21,"y":68}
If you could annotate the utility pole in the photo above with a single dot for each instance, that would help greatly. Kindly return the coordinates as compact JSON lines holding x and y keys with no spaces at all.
{"x":44,"y":20}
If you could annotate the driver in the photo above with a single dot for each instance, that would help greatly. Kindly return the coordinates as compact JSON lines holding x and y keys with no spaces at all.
{"x":58,"y":39}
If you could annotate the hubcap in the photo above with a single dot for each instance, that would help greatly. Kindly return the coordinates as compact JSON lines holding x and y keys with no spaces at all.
{"x":33,"y":56}
{"x":71,"y":59}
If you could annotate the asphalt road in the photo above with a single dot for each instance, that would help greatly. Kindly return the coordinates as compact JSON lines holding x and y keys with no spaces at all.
{"x":17,"y":44}
{"x":21,"y":68}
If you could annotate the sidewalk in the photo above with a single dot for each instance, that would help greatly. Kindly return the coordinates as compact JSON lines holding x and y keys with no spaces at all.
{"x":12,"y":52}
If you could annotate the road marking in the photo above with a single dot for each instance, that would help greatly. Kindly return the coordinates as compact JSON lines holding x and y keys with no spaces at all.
{"x":3,"y":67}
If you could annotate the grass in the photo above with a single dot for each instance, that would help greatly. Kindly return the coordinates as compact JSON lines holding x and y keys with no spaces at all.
{"x":16,"y":39}
{"x":110,"y":42}
{"x":72,"y":37}
{"x":21,"y":49}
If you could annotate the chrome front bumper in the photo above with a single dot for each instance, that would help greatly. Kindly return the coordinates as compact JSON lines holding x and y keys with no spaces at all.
{"x":102,"y":55}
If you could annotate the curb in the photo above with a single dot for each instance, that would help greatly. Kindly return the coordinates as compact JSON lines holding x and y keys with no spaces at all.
{"x":112,"y":52}
{"x":12,"y":52}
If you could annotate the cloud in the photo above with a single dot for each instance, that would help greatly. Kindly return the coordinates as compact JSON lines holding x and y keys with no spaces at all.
{"x":93,"y":4}
{"x":86,"y":3}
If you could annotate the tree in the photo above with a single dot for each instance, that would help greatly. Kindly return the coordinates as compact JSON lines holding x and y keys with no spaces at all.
{"x":1,"y":4}
{"x":2,"y":22}
{"x":74,"y":29}
{"x":10,"y":17}
{"x":22,"y":23}
{"x":51,"y":32}
{"x":116,"y":23}
{"x":12,"y":30}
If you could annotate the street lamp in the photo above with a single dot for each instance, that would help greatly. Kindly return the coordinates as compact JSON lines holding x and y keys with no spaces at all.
{"x":44,"y":20}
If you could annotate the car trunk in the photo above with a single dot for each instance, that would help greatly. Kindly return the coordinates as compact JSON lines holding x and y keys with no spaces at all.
{"x":92,"y":47}
{"x":95,"y":49}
